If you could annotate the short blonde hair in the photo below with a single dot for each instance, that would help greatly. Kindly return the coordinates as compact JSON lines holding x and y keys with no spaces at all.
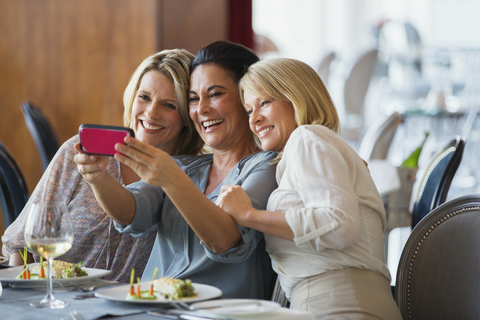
{"x":296,"y":82}
{"x":175,"y":64}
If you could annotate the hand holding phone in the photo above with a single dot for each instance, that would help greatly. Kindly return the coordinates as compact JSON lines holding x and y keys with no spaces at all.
{"x":100,"y":139}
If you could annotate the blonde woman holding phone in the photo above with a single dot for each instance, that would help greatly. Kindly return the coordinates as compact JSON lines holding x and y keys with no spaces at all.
{"x":153,"y":101}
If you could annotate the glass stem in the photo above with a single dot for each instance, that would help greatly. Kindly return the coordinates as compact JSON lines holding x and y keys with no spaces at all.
{"x":49,"y":295}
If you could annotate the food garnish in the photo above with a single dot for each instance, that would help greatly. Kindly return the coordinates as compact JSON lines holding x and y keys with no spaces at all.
{"x":174,"y":288}
{"x":63,"y":269}
{"x":143,"y":296}
{"x":154,"y":275}
{"x":162,"y":288}
{"x":42,"y":269}
{"x":60,"y":270}
{"x":26,"y":272}
{"x":132,"y":277}
{"x":74,"y":270}
{"x":139,"y":293}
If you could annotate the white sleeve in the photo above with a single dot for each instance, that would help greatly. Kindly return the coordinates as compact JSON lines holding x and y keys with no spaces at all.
{"x":321,"y":173}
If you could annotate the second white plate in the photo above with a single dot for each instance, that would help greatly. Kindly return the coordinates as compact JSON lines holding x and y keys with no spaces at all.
{"x":119,"y":294}
{"x":9,"y":276}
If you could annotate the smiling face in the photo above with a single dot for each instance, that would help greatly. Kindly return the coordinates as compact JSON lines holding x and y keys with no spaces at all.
{"x":154,"y":113}
{"x":271,"y":120}
{"x":216,"y":109}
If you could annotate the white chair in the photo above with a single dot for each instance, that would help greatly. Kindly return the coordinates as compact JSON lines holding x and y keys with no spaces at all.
{"x":377,"y":140}
{"x":354,"y":93}
{"x":324,"y":67}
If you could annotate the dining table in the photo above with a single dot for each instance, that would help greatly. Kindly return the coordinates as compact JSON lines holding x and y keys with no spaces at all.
{"x":15,"y":304}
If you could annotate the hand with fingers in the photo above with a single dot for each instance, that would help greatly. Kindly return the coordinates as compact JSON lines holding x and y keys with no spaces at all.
{"x":153,"y":165}
{"x":235,"y":201}
{"x":93,"y":168}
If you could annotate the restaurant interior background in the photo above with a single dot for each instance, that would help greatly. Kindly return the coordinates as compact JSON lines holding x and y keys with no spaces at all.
{"x":73,"y":59}
{"x":430,"y":74}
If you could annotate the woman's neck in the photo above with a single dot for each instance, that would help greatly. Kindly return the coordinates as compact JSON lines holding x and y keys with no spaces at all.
{"x":223,"y":163}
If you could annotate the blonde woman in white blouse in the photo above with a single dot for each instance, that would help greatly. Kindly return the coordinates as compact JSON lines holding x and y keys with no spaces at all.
{"x":324,"y":224}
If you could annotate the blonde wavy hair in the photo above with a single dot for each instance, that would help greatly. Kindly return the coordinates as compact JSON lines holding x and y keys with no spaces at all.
{"x":175,"y":64}
{"x":296,"y":82}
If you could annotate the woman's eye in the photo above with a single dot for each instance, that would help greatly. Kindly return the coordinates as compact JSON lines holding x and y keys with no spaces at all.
{"x":170,"y":106}
{"x":249,"y":112}
{"x":264,"y":103}
{"x":144,"y":97}
{"x":192,"y":99}
{"x":215,"y":94}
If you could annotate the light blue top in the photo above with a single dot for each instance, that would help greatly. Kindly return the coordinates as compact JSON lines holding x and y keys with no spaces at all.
{"x":244,"y":271}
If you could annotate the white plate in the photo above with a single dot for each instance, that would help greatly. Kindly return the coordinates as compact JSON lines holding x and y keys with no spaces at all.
{"x":3,"y":260}
{"x":119,"y":294}
{"x":10,"y":276}
{"x":236,"y":307}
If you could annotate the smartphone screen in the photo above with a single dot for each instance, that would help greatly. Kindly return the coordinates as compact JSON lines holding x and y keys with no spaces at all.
{"x":101,"y":139}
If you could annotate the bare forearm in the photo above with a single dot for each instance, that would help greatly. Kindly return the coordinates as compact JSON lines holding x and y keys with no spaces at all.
{"x":117,"y":202}
{"x":269,"y":222}
{"x":213,"y":226}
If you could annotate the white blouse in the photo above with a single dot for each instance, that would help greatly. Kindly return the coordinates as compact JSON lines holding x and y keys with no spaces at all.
{"x":332,"y":206}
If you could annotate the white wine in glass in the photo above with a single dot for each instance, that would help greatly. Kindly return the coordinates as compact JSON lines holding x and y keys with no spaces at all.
{"x":49,"y":233}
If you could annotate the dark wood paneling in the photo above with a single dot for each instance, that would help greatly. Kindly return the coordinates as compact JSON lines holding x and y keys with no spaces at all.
{"x":73,"y":60}
{"x":192,"y":24}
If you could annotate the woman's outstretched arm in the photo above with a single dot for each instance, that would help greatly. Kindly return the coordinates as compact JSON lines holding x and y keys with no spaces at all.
{"x":117,"y":202}
{"x":213,"y":226}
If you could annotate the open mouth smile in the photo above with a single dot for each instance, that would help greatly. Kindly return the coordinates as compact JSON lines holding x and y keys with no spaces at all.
{"x":265,"y":130}
{"x":150,"y":127}
{"x":212,"y":123}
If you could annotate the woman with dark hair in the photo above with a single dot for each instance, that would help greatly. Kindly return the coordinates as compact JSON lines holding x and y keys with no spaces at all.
{"x":196,"y":239}
{"x":228,"y":56}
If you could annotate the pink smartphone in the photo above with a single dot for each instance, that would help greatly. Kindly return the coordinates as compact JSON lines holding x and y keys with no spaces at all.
{"x":100,"y":139}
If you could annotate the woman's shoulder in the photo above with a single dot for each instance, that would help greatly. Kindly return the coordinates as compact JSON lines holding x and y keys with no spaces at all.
{"x":70,"y":143}
{"x":314,"y":129}
{"x":189,"y":161}
{"x":68,"y":147}
{"x":261,"y":156}
{"x":317,"y":133}
{"x":313,"y":140}
{"x":306,"y":138}
{"x":259,"y":160}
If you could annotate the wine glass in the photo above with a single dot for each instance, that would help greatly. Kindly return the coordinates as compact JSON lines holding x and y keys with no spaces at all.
{"x":49,"y":232}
